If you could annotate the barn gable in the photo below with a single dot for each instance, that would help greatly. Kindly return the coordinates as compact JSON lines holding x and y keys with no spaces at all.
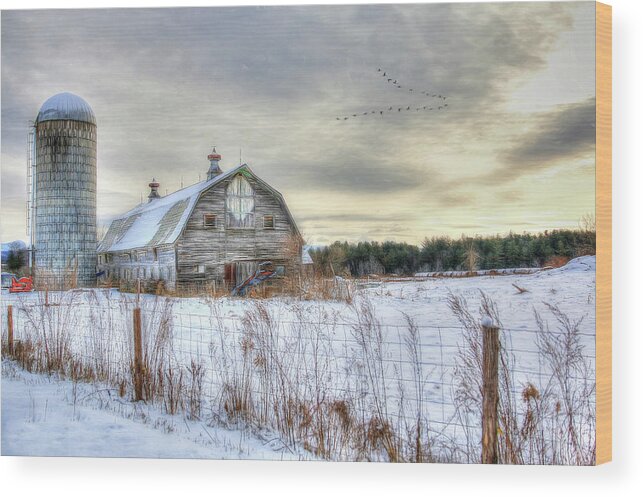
{"x":162,"y":221}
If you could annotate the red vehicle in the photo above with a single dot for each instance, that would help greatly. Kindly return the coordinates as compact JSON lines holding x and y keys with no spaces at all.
{"x":21,"y":285}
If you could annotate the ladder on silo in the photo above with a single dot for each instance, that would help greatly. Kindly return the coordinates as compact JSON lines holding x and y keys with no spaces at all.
{"x":31,"y":190}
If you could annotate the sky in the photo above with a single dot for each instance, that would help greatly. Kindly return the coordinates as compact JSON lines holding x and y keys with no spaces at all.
{"x":513,"y":149}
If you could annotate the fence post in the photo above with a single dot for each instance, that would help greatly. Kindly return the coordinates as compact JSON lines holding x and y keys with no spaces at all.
{"x":490,"y":352}
{"x":10,"y":329}
{"x":138,"y":355}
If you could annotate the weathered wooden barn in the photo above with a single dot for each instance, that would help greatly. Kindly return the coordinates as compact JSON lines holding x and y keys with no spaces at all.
{"x":211,"y":234}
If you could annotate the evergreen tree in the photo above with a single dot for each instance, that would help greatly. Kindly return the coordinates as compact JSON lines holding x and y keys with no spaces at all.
{"x":447,"y":254}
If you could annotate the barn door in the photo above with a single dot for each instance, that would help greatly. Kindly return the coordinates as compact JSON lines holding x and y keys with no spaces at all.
{"x":230,"y":275}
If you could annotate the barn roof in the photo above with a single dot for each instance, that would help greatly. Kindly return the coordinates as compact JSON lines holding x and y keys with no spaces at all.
{"x":161,"y":221}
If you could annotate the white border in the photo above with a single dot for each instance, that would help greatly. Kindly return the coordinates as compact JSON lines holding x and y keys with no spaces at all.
{"x":52,"y":477}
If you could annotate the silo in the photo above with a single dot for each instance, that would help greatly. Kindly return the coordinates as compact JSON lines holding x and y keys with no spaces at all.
{"x":64,"y":193}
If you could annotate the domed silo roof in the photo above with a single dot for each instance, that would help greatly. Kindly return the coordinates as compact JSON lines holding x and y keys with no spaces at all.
{"x":66,"y":106}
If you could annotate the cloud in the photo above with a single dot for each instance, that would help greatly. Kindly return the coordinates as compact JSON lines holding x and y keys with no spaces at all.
{"x":566,"y":133}
{"x":167,"y":84}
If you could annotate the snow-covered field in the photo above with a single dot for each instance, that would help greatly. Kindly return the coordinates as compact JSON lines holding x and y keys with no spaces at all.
{"x":359,"y":353}
{"x":46,"y":416}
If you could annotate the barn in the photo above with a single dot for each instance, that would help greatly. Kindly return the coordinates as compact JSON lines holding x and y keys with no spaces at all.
{"x":212,"y":234}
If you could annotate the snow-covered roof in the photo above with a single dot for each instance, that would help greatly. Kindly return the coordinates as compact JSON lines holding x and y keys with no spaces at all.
{"x":66,"y":106}
{"x":305,"y":255}
{"x":161,"y":221}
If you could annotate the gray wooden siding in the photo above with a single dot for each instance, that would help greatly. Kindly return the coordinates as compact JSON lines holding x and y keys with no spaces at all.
{"x":212,"y":247}
{"x":140,"y":264}
{"x":199,"y":255}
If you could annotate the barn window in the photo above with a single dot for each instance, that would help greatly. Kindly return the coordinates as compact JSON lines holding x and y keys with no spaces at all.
{"x":200,"y":268}
{"x":240,"y":204}
{"x":269,"y":222}
{"x":210,"y":220}
{"x":155,"y":254}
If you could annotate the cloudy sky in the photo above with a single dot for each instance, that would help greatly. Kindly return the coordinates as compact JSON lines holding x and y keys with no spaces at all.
{"x":513,"y":150}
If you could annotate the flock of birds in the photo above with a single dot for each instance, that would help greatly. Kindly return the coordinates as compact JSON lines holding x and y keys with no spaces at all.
{"x":394,"y":108}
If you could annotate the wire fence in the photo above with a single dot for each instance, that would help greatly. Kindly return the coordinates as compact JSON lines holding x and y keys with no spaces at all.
{"x":261,"y":361}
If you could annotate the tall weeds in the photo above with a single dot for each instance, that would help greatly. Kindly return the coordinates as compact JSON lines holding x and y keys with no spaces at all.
{"x":546,"y":420}
{"x":326,"y":387}
{"x":566,"y":403}
{"x":332,"y":379}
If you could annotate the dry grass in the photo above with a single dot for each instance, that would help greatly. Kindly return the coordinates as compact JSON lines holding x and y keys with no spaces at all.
{"x":567,"y":403}
{"x":556,"y":261}
{"x":552,"y":425}
{"x":286,"y":377}
{"x":266,"y":373}
{"x":82,"y":337}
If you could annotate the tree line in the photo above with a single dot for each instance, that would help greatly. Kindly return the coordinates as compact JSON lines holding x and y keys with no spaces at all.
{"x":448,"y":254}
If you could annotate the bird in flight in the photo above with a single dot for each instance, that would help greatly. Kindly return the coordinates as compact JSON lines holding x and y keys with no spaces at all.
{"x":394,"y":82}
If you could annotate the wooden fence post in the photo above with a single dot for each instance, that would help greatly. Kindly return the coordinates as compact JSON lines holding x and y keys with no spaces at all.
{"x":10,"y":329}
{"x":490,"y":352}
{"x":138,"y":355}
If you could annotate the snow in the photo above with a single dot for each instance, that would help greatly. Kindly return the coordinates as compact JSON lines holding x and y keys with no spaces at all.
{"x":580,"y":264}
{"x":486,"y":321}
{"x":195,"y":329}
{"x":305,"y":254}
{"x":43,"y":416}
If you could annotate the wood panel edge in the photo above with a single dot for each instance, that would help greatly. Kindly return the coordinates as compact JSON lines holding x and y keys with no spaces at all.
{"x":603,"y":233}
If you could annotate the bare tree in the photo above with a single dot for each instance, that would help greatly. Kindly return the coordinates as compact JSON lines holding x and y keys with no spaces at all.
{"x":471,"y":258}
{"x":588,"y":222}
